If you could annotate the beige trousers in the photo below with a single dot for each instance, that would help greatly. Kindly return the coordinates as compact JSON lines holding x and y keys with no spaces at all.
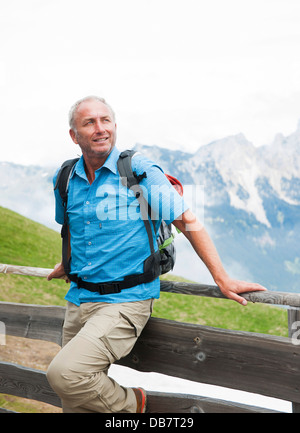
{"x":94,"y":336}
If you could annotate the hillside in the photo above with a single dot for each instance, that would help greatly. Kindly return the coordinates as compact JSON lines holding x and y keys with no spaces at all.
{"x":25,"y":242}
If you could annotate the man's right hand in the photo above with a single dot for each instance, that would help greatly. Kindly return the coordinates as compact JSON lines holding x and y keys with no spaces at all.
{"x":58,"y":272}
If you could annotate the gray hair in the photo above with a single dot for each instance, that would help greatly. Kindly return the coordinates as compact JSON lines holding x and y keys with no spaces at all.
{"x":74,"y":107}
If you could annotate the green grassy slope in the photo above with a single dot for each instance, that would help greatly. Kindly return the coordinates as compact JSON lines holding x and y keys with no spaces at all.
{"x":24,"y":242}
{"x":27,"y":243}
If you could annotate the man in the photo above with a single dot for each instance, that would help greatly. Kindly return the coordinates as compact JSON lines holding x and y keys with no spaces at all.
{"x":108,"y":243}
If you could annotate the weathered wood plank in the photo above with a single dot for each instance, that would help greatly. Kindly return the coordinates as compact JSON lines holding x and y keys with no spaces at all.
{"x":33,"y":321}
{"x":251,"y":362}
{"x":293,"y":324}
{"x":266,"y":297}
{"x":279,"y":298}
{"x":257,"y":363}
{"x":184,"y":403}
{"x":25,"y":270}
{"x":28,"y":383}
{"x":206,"y":351}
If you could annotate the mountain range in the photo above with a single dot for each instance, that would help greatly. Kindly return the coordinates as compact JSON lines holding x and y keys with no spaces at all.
{"x":248,"y":198}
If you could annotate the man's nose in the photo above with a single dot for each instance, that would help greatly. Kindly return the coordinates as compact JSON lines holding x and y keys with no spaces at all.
{"x":99,"y":126}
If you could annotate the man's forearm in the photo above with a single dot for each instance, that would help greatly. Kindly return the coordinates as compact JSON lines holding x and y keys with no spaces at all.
{"x":197,"y":235}
{"x":204,"y":247}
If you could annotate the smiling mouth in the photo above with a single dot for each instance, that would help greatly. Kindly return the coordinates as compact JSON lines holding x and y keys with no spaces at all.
{"x":100,"y":140}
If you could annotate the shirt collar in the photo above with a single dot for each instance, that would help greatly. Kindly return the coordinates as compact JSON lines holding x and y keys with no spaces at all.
{"x":110,"y":163}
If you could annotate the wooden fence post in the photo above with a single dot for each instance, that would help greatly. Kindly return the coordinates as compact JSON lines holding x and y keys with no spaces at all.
{"x":294,"y":333}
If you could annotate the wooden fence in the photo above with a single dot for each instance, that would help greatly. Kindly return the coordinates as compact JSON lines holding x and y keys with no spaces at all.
{"x":257,"y":363}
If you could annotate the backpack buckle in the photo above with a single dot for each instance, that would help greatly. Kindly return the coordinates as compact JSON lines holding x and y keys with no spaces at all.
{"x":108,"y":288}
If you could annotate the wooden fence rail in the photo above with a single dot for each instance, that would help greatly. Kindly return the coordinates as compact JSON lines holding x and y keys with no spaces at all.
{"x":258,"y":363}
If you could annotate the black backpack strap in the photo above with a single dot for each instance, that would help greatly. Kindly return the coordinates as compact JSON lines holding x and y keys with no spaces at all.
{"x":62,"y":183}
{"x":63,"y":178}
{"x":125,"y":170}
{"x":132,"y":180}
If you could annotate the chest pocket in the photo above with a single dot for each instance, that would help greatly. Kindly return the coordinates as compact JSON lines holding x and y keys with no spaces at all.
{"x":116,"y":210}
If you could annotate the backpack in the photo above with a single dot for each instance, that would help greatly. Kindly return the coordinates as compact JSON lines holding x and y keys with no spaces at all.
{"x":158,"y":263}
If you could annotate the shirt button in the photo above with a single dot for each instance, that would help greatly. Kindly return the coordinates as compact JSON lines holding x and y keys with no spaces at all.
{"x":89,"y":263}
{"x":90,"y":243}
{"x":85,"y":278}
{"x":88,"y":222}
{"x":87,"y":202}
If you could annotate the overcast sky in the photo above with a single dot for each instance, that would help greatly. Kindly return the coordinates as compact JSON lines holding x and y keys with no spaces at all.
{"x":178,"y":74}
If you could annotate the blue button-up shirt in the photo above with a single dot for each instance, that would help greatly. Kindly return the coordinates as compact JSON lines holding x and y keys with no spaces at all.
{"x":108,"y":237}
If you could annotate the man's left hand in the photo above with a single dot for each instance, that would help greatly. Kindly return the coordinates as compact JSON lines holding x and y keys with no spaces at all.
{"x":233,"y":288}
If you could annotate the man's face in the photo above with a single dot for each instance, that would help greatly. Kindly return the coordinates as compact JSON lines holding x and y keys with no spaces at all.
{"x":95,"y":129}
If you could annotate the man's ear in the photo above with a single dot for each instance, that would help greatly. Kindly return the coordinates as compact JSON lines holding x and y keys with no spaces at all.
{"x":73,"y":136}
